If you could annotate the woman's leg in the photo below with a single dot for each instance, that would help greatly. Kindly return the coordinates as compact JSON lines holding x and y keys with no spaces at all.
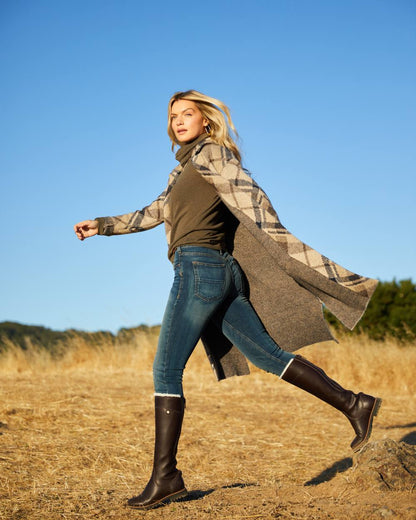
{"x":166,"y":482}
{"x":201,"y":282}
{"x":360,"y":409}
{"x":240,"y":323}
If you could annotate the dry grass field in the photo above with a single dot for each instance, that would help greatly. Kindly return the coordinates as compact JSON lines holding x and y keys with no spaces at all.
{"x":76,"y":436}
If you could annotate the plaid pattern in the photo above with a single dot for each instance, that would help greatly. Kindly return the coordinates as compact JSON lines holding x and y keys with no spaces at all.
{"x":240,"y":192}
{"x":143,"y":219}
{"x":288,"y":280}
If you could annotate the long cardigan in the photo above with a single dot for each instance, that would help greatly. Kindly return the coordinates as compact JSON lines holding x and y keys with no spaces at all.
{"x":288,"y":281}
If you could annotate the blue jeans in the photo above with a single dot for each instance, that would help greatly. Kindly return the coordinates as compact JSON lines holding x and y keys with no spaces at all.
{"x":208,"y":285}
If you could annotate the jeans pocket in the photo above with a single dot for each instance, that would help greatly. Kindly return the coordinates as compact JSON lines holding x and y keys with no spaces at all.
{"x":209,"y":280}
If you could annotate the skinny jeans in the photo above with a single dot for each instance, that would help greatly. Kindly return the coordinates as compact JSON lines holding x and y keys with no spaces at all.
{"x":209,"y":286}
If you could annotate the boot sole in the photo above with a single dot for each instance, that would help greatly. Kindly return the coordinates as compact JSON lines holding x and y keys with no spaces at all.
{"x":163,"y":501}
{"x":376,"y":408}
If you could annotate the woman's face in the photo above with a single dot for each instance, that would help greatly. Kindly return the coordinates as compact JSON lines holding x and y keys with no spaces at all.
{"x":186,"y":121}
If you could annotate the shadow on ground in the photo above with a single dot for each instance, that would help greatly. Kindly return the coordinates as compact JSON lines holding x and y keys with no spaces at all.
{"x":197,"y":494}
{"x":394,"y":426}
{"x":329,"y":473}
{"x":409,"y":438}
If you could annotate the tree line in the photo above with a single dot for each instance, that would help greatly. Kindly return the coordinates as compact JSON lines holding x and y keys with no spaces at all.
{"x":29,"y":336}
{"x":390,"y":313}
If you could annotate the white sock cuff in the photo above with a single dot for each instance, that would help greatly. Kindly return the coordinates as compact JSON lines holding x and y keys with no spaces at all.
{"x":167,"y":395}
{"x":286,"y":367}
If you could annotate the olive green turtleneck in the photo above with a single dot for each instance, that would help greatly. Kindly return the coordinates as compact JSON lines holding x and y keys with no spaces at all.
{"x":198,"y":215}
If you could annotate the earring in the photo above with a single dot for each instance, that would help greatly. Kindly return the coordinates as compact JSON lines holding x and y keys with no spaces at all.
{"x":208,"y":129}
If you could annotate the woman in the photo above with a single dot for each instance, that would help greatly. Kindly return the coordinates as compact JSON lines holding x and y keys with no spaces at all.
{"x":242,"y":283}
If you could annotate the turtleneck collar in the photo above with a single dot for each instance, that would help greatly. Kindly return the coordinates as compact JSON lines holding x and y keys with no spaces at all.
{"x":185,"y":151}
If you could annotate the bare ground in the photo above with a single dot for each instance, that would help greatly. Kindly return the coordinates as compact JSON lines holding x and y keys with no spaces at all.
{"x":76,"y":443}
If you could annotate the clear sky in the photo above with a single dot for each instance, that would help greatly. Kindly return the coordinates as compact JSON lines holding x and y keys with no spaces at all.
{"x":323,"y":96}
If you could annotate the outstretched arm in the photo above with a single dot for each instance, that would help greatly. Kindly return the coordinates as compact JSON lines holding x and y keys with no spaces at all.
{"x":140,"y":220}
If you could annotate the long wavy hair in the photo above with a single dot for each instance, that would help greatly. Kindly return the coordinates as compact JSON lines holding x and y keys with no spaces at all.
{"x":220,"y":127}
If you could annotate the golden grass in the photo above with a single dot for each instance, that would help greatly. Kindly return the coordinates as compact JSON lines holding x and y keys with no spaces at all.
{"x":76,"y":435}
{"x":78,"y":354}
{"x":356,"y":361}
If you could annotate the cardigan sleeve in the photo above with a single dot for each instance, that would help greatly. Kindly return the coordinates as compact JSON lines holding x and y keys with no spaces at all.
{"x":140,"y":220}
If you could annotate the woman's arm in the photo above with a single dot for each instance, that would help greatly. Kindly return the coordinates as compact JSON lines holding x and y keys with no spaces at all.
{"x":140,"y":220}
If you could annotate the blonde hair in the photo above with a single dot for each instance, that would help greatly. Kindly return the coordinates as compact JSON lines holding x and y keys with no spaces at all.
{"x":220,"y":127}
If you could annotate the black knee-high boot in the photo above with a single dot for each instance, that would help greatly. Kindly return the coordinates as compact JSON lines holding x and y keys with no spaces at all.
{"x":166,"y":482}
{"x":360,"y":408}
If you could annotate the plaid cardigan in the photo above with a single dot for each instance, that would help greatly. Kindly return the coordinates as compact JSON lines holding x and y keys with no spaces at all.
{"x":288,"y":281}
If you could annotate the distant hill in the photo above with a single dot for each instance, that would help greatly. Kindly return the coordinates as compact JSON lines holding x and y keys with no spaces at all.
{"x":25,"y":336}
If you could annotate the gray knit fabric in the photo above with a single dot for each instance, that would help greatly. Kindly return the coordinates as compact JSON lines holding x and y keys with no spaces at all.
{"x":288,"y":280}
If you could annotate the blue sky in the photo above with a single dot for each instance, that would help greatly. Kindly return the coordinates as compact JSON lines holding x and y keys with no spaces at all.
{"x":322,"y":94}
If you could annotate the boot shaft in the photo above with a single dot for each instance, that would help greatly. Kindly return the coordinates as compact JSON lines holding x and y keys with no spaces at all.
{"x":169,"y":412}
{"x":360,"y":409}
{"x":309,"y":377}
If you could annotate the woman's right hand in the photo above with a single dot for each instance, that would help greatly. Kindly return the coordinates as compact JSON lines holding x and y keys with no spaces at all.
{"x":86,"y":228}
